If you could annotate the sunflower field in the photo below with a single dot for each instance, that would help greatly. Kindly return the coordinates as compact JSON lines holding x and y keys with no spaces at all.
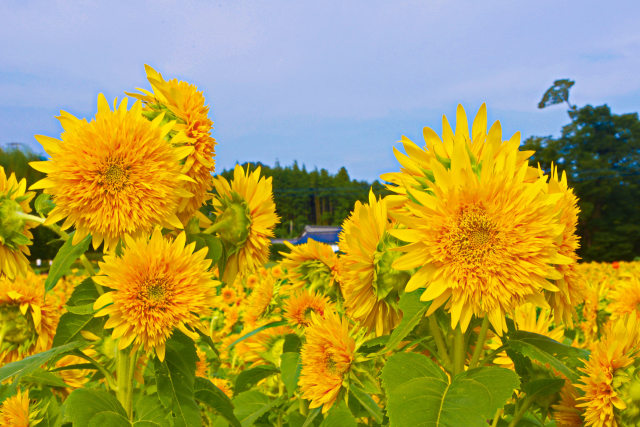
{"x":456,"y":301}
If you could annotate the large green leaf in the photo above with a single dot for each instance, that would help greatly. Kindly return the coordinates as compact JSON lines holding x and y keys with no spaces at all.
{"x":412,"y":312}
{"x":208,"y":393}
{"x":32,"y":363}
{"x":367,"y":403}
{"x":251,"y":405}
{"x":71,"y":325}
{"x":175,"y":377}
{"x":563,"y":358}
{"x":418,"y":393}
{"x":148,"y":408}
{"x":249,"y":377}
{"x":66,"y":256}
{"x":109,"y":418}
{"x":290,"y":368}
{"x":83,"y":404}
{"x":339,"y":416}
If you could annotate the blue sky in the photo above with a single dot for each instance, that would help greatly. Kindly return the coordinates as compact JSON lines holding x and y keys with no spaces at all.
{"x":329,"y":84}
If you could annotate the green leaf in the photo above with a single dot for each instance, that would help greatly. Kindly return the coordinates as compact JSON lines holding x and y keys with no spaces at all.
{"x":34,"y":362}
{"x":290,"y":368}
{"x":43,"y":204}
{"x":149,"y":409}
{"x":249,"y":377}
{"x":339,"y":416}
{"x":208,"y":393}
{"x":413,"y":311}
{"x":66,"y":256}
{"x":291,"y":344}
{"x":260,"y":329}
{"x":109,"y":418}
{"x":71,"y":325}
{"x":563,"y":358}
{"x":543,"y":386}
{"x":419,"y":393}
{"x":251,"y":405}
{"x":83,"y":404}
{"x":312,"y":416}
{"x":175,"y":377}
{"x":367,"y":403}
{"x":214,"y":245}
{"x":43,"y":378}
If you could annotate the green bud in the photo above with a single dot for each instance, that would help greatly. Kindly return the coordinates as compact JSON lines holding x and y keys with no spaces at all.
{"x":18,"y":331}
{"x":12,"y":224}
{"x":388,"y":281}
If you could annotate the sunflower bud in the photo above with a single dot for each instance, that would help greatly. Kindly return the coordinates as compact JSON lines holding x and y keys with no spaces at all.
{"x":11,"y":224}
{"x":388,"y":281}
{"x":18,"y":331}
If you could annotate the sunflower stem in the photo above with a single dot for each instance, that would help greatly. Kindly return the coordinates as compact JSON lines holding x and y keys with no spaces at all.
{"x":497,"y":417}
{"x":459,"y":351}
{"x":479,"y":343}
{"x":219,"y":225}
{"x":437,"y":336}
{"x":124,"y":378}
{"x":28,"y":217}
{"x":526,"y":403}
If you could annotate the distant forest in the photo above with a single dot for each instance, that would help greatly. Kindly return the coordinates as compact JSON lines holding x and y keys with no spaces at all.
{"x":312,"y":198}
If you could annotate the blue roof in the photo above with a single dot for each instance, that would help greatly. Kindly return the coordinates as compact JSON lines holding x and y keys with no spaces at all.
{"x":323,"y":234}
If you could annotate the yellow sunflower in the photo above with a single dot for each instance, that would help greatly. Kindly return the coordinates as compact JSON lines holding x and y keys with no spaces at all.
{"x":312,"y":265}
{"x":28,"y":321}
{"x":482,"y":233}
{"x":257,"y":304}
{"x":370,"y":286}
{"x":570,"y":286}
{"x":245,"y":219}
{"x":182,"y":102}
{"x":15,"y":411}
{"x":565,"y":412}
{"x":611,"y":381}
{"x":114,"y":176}
{"x":158,"y":285}
{"x":327,"y":356}
{"x":624,"y":296}
{"x":300,"y":305}
{"x":223,"y":318}
{"x":14,"y":225}
{"x":223,"y":385}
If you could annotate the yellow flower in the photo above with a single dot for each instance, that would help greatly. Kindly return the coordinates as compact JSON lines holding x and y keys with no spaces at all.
{"x":114,"y":176}
{"x":371,"y":287}
{"x":611,"y":383}
{"x":246,"y":217}
{"x":299,"y":306}
{"x":482,"y":232}
{"x":565,"y":413}
{"x":28,"y":321}
{"x":312,"y":265}
{"x":326,"y":356}
{"x":223,"y":385}
{"x":14,"y":225}
{"x":624,"y":296}
{"x":158,"y":285}
{"x":182,"y":102}
{"x":202,"y":365}
{"x":258,"y":302}
{"x":570,"y":287}
{"x":15,"y":411}
{"x":74,"y":378}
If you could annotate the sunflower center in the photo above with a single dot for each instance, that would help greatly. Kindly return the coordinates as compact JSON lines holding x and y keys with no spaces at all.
{"x":388,"y":281}
{"x":154,"y":290}
{"x":474,"y":234}
{"x":115,"y":176}
{"x":17,"y":331}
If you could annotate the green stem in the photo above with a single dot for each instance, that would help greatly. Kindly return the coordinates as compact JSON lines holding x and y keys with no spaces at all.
{"x":521,"y":411}
{"x":459,"y":351}
{"x":123,"y":372}
{"x":218,"y":225}
{"x":3,"y":332}
{"x":28,"y":217}
{"x":496,"y":417}
{"x":479,"y":343}
{"x":437,"y":336}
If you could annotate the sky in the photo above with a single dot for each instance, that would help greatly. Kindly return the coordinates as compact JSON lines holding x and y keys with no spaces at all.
{"x":330,"y":83}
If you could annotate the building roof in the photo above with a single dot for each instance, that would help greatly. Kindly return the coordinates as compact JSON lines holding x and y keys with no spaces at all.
{"x":320,"y":233}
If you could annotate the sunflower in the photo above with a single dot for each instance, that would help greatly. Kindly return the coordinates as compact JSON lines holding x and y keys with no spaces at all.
{"x":28,"y":320}
{"x":371,"y":287}
{"x":74,"y":378}
{"x":624,"y":296}
{"x":158,"y":285}
{"x":224,"y":385}
{"x":565,"y":412}
{"x":326,"y":356}
{"x":223,"y":318}
{"x":245,"y":219}
{"x":299,"y":306}
{"x":182,"y":102}
{"x":99,"y":171}
{"x":257,"y":304}
{"x":570,"y":287}
{"x":264,"y":347}
{"x":14,"y":225}
{"x":15,"y":411}
{"x":611,"y":381}
{"x":483,"y":233}
{"x":312,"y":265}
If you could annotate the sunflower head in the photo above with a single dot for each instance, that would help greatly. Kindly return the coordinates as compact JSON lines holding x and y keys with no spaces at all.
{"x":182,"y":104}
{"x":245,"y":219}
{"x":27,"y":321}
{"x":312,"y":265}
{"x":99,"y":169}
{"x":17,"y":411}
{"x":14,"y":225}
{"x":301,"y":305}
{"x":327,"y":357}
{"x":157,"y":286}
{"x":481,"y":229}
